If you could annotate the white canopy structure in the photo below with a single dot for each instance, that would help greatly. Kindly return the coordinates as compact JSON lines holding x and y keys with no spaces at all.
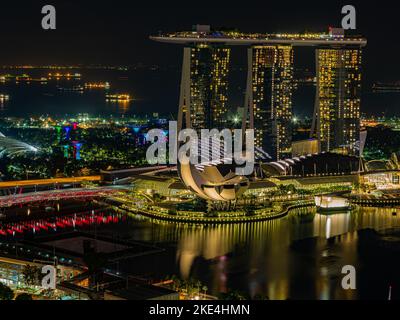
{"x":13,"y":147}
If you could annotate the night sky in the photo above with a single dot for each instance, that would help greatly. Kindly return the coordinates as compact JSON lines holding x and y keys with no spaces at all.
{"x":116,"y":32}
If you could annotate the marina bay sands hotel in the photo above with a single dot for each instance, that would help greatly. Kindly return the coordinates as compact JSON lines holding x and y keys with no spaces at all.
{"x":270,"y":84}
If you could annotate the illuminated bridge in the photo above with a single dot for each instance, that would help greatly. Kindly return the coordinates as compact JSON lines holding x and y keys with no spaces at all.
{"x":55,"y":195}
{"x":45,"y":182}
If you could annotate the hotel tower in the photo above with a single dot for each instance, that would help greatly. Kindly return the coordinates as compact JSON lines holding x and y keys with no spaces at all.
{"x":269,"y":85}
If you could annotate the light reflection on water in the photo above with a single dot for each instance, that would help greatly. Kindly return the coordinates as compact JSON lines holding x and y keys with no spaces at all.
{"x":299,"y":256}
{"x":270,"y":258}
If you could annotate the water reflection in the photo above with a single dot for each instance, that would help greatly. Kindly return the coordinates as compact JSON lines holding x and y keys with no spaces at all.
{"x":299,"y":256}
{"x":120,"y":107}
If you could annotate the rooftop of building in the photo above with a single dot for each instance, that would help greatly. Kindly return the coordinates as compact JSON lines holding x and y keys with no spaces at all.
{"x":204,"y":34}
{"x":72,"y":245}
{"x":116,"y":287}
{"x":319,"y":164}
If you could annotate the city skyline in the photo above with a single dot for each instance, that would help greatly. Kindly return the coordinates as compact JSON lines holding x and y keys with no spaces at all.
{"x":284,"y":185}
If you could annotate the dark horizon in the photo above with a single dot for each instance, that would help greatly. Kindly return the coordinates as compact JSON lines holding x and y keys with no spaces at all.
{"x":97,"y":33}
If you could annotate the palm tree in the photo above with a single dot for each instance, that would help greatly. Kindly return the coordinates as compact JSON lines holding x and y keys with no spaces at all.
{"x":198,"y":285}
{"x":174,"y":280}
{"x":178,"y":284}
{"x":205,"y":289}
{"x":191,"y":284}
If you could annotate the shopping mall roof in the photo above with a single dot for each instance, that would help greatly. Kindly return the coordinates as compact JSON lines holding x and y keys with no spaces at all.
{"x":320,"y":164}
{"x":13,"y":147}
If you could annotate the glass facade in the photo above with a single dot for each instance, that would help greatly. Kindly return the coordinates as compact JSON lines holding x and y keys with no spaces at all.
{"x":282,"y":90}
{"x":337,"y":105}
{"x":209,"y":69}
{"x":338,"y":99}
{"x":11,"y":274}
{"x":262,"y":63}
{"x":272,"y":85}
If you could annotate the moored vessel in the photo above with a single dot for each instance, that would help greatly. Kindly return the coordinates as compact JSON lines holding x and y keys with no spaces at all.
{"x":331,"y":202}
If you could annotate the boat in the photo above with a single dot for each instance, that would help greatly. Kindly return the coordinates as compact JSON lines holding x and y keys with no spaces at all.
{"x":97,"y":85}
{"x":332,"y":203}
{"x":67,"y":76}
{"x":119,"y":97}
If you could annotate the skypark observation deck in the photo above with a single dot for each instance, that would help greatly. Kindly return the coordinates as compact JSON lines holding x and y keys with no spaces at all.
{"x":251,"y":39}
